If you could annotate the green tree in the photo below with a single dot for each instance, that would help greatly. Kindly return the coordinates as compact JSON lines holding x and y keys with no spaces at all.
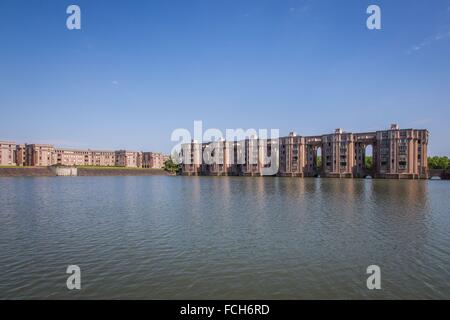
{"x":438,"y":162}
{"x":319,"y":162}
{"x":432,"y":162}
{"x":368,"y":162}
{"x":171,"y":166}
{"x":444,"y":162}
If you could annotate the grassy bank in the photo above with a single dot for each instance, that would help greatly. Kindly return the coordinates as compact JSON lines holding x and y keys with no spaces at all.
{"x":119,"y":171}
{"x":16,"y":171}
{"x":12,"y":167}
{"x":112,"y":168}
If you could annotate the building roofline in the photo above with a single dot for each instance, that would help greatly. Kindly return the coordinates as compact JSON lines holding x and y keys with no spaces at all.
{"x":82,"y":150}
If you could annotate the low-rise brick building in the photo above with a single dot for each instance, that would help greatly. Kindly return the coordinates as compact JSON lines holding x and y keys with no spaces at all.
{"x":41,"y":155}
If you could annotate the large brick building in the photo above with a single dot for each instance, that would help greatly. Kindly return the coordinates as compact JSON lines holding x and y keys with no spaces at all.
{"x":153,"y":160}
{"x":396,"y":153}
{"x":7,"y":153}
{"x":42,"y":155}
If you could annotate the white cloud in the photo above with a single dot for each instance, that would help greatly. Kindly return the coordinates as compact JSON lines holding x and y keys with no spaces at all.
{"x":442,"y":36}
{"x":428,"y":42}
{"x":115,"y":82}
{"x":302,"y":7}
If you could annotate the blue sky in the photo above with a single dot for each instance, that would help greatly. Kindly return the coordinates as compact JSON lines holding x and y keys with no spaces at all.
{"x":137,"y":70}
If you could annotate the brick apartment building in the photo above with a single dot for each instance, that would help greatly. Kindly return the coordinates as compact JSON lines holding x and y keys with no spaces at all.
{"x":7,"y":153}
{"x":42,"y":155}
{"x":396,"y":153}
{"x":153,"y":159}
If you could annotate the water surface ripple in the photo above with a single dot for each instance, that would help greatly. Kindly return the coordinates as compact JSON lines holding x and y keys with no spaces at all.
{"x":223,"y":238}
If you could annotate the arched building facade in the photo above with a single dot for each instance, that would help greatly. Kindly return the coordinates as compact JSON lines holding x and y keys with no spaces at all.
{"x":396,"y":153}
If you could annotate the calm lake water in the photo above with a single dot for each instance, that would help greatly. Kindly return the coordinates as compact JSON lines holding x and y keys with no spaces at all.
{"x":220,"y":238}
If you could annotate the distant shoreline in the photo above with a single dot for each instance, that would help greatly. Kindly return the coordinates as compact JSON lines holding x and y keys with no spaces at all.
{"x":86,"y":171}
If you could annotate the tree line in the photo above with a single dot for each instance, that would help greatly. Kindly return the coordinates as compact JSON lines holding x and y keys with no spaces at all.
{"x":438,"y":162}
